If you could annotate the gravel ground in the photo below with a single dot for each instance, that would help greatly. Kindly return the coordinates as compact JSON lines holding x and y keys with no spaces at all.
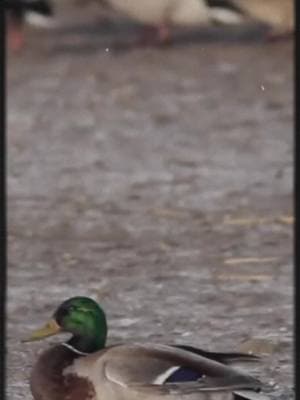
{"x":159,"y":182}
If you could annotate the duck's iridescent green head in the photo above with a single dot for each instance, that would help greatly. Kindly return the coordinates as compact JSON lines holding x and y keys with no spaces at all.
{"x":82,"y":317}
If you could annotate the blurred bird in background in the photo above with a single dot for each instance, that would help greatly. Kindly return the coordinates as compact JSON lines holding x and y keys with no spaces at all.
{"x":277,"y":14}
{"x":158,"y":16}
{"x":36,"y":12}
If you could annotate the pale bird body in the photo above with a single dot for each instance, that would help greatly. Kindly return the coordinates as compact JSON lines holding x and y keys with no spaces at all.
{"x":156,"y":12}
{"x":278,"y":14}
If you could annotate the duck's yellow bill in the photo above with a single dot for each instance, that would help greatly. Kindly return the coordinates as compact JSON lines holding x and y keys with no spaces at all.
{"x":51,"y":328}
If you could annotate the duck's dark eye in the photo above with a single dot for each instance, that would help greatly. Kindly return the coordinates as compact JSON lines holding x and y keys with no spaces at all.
{"x":63,"y":312}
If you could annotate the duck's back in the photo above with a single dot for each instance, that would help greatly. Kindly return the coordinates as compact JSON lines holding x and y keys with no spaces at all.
{"x":143,"y":372}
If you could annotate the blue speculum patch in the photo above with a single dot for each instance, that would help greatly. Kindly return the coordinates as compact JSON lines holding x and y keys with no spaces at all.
{"x":183,"y":375}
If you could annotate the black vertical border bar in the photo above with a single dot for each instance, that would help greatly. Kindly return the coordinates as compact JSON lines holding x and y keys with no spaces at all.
{"x":297,"y":200}
{"x":3,"y":239}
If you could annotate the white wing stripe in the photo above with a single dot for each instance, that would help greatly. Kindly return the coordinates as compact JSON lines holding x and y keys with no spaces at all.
{"x":160,"y":379}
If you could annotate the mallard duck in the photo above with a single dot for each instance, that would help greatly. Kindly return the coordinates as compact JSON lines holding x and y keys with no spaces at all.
{"x":85,"y":368}
{"x":278,"y":14}
{"x":38,"y":12}
{"x":159,"y":16}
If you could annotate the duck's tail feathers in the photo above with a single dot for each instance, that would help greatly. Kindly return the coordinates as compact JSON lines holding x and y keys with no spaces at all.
{"x":225,"y":358}
{"x":228,"y":358}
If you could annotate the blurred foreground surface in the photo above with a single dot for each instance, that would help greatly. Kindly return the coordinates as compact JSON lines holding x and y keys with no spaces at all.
{"x":158,"y":181}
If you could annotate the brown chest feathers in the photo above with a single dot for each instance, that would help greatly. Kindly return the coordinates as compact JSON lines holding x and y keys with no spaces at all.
{"x":48,"y":382}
